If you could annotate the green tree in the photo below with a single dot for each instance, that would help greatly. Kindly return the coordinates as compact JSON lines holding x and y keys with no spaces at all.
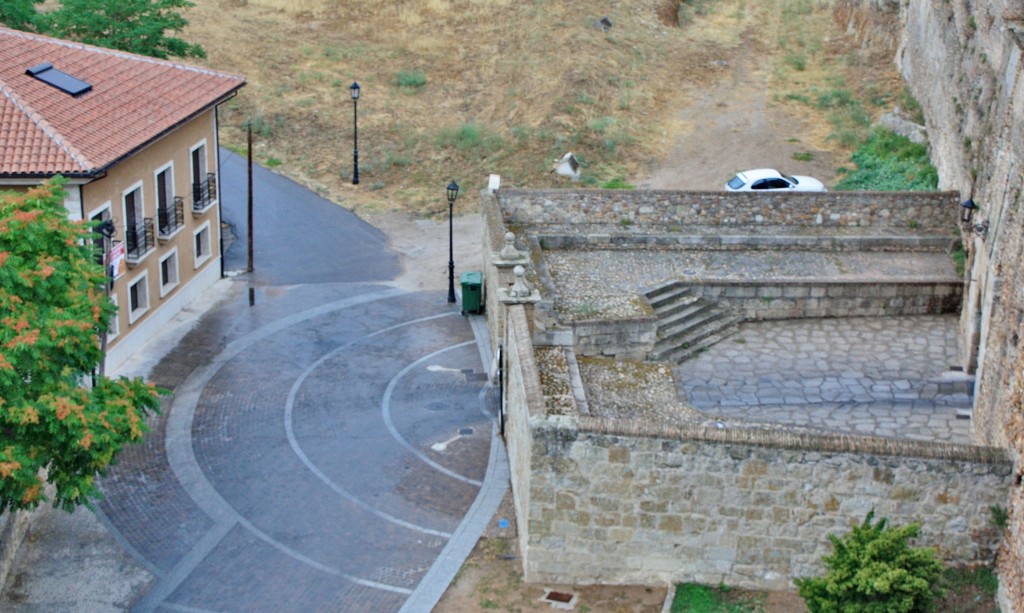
{"x":873,"y":570}
{"x":54,"y":417}
{"x":136,"y":26}
{"x":20,"y":14}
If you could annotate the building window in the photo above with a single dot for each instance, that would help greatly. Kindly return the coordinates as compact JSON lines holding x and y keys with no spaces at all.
{"x":168,"y":273}
{"x":114,"y":328}
{"x":138,"y":229}
{"x":201,"y":245}
{"x":138,"y":298}
{"x":199,"y":162}
{"x":100,"y":243}
{"x":204,"y":184}
{"x":168,"y":207}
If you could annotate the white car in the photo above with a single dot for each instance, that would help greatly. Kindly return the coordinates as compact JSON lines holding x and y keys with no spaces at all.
{"x":766,"y":179}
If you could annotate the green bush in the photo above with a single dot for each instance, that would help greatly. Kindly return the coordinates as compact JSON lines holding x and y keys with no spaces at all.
{"x":873,"y":570}
{"x":411,"y":79}
{"x":617,"y":183}
{"x":470,"y":137}
{"x":694,"y":598}
{"x":890,"y":162}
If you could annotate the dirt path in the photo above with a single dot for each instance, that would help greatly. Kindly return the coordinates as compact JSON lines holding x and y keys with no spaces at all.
{"x":736,"y":125}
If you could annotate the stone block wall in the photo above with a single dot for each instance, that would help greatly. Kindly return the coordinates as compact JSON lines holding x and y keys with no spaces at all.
{"x":614,"y":503}
{"x":524,"y":404}
{"x":829,"y":298}
{"x":678,"y":209}
{"x":630,"y":339}
{"x":605,"y":501}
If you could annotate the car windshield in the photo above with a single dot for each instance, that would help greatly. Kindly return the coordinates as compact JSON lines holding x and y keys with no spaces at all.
{"x":736,"y":182}
{"x":791,"y":179}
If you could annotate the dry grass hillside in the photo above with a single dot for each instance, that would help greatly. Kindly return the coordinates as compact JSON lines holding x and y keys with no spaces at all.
{"x":464,"y":88}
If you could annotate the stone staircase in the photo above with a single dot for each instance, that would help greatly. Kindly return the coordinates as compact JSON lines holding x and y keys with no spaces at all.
{"x":687,"y":324}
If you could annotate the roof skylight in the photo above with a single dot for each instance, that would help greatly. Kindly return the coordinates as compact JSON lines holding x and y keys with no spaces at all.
{"x":66,"y":83}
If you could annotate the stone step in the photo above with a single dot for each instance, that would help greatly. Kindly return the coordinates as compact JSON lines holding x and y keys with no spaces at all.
{"x":694,"y":334}
{"x":695,"y":347}
{"x":666,"y":292}
{"x":678,"y":327}
{"x":671,"y":311}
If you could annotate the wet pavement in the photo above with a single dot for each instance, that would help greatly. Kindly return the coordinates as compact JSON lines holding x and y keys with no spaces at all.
{"x":321,"y":459}
{"x":328,"y":441}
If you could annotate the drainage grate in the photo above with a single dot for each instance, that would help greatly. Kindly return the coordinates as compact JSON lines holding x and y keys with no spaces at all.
{"x":465,"y":431}
{"x":559,"y":600}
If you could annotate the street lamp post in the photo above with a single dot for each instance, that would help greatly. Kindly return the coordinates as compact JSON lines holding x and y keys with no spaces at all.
{"x":453,"y":193}
{"x":106,"y":230}
{"x":354,"y":88}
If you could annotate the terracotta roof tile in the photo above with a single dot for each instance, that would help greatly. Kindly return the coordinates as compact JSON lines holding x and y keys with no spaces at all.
{"x":133,"y":100}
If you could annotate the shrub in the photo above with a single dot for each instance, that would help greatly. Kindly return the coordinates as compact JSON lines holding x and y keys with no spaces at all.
{"x":873,"y":570}
{"x":469,"y":137}
{"x":890,"y":162}
{"x":411,"y":79}
{"x":617,"y":183}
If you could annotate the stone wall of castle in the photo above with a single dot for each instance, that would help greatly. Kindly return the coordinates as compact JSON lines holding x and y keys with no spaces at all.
{"x":963,"y":62}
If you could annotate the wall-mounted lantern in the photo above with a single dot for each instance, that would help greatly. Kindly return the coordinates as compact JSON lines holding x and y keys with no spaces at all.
{"x":967,"y":210}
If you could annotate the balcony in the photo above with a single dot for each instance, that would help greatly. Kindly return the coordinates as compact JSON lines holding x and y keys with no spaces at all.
{"x":170,"y":218}
{"x":204,"y":194}
{"x":139,"y":240}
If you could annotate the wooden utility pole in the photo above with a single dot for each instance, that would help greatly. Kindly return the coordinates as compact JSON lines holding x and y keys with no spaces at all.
{"x":249,"y":150}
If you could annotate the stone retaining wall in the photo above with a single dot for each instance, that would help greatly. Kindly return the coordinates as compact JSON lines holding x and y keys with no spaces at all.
{"x":673,"y":208}
{"x":602,"y":501}
{"x":786,"y":299}
{"x":628,"y":339}
{"x":650,"y":238}
{"x":616,"y":503}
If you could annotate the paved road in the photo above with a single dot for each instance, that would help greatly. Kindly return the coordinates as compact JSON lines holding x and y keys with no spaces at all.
{"x":299,"y":237}
{"x":328,"y":448}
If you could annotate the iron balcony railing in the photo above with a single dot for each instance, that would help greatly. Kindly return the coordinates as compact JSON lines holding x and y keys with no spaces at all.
{"x":171,"y":217}
{"x":204,"y":193}
{"x":139,"y":240}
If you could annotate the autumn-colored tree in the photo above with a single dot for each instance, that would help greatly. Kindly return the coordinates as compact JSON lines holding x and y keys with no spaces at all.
{"x":58,"y":422}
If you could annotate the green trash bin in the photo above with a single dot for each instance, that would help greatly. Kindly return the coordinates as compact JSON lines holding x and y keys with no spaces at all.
{"x":472,"y":288}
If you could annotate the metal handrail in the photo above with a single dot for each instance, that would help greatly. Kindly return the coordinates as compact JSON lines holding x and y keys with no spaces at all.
{"x":170,"y":218}
{"x":139,"y":239}
{"x":204,"y":192}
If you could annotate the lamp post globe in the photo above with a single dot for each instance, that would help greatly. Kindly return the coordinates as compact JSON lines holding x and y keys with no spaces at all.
{"x":354,"y":90}
{"x":453,"y":193}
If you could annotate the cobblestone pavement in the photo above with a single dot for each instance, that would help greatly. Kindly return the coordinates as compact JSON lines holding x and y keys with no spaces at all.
{"x":320,"y":459}
{"x":327,"y":445}
{"x":881,"y":376}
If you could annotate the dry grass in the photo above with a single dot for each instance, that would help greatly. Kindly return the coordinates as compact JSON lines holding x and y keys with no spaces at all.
{"x":509,"y":87}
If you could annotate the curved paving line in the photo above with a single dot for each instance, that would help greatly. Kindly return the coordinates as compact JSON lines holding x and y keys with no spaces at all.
{"x":385,"y":409}
{"x":442,"y":572}
{"x":288,"y":410}
{"x":181,"y":457}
